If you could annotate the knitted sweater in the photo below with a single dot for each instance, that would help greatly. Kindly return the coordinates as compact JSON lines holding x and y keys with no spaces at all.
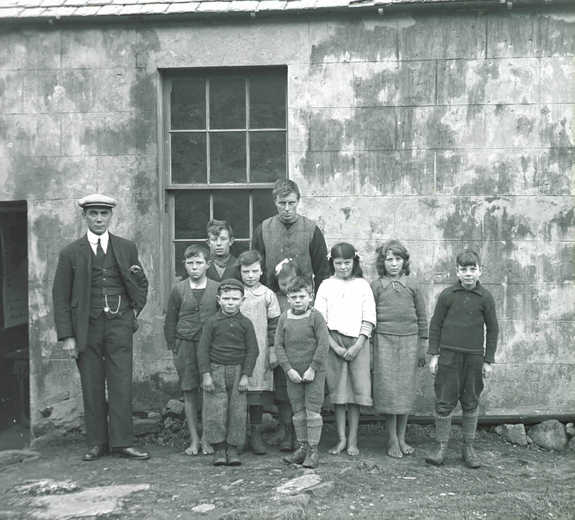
{"x":459,"y":320}
{"x":302,"y":342}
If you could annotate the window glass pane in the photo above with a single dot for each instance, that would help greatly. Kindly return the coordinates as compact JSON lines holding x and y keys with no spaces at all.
{"x":227,"y":102}
{"x":188,"y":104}
{"x":267,"y":156}
{"x":192,"y":212}
{"x":228,"y":157}
{"x":268,"y":100}
{"x":233,"y":206}
{"x":263,"y":206}
{"x":188,"y":158}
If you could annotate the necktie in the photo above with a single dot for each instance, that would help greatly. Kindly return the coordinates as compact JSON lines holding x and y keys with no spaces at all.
{"x":99,"y":251}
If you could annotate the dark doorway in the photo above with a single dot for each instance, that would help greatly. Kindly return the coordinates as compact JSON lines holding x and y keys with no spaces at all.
{"x":14,"y":359}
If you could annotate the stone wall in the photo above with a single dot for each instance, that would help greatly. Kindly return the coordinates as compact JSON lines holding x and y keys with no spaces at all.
{"x":442,"y":130}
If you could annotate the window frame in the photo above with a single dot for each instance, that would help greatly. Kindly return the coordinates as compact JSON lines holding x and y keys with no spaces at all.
{"x":168,"y":188}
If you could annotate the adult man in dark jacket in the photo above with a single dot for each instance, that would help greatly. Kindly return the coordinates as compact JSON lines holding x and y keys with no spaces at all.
{"x":291,"y":235}
{"x":99,"y":288}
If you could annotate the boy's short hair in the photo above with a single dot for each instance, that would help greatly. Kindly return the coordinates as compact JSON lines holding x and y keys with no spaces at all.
{"x":197,"y":250}
{"x":283,"y":187}
{"x":215,"y":227}
{"x":300,"y":283}
{"x":467,"y":257}
{"x":230,"y":284}
{"x":250,"y":257}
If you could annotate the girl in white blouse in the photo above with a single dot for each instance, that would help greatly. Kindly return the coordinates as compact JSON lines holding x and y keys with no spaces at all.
{"x":347,"y":304}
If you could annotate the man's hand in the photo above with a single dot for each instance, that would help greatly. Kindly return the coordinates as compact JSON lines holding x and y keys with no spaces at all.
{"x":243,"y":384}
{"x":308,"y":375}
{"x":487,"y":369}
{"x":69,"y":346}
{"x":293,"y":376}
{"x":433,"y":364}
{"x":208,"y":383}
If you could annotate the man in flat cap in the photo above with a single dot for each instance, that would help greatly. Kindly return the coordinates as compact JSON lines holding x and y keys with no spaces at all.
{"x":99,"y":289}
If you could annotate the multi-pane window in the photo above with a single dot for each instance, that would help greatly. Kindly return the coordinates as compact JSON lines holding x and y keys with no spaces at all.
{"x":225,"y":141}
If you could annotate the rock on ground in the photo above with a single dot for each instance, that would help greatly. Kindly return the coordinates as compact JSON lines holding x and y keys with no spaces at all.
{"x":299,"y":484}
{"x":570,"y":429}
{"x":549,"y":435}
{"x":8,"y":457}
{"x":514,"y":433}
{"x":174,"y":408}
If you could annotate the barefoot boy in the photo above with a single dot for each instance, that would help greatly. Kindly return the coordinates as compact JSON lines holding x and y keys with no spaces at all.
{"x":191,"y":302}
{"x":227,"y":355}
{"x":463,"y":321}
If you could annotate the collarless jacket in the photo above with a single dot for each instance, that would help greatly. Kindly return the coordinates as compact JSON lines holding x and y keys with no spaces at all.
{"x":72,"y":284}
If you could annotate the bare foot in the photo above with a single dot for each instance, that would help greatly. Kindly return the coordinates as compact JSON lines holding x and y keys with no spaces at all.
{"x":406,"y":449}
{"x":192,"y":449}
{"x":206,"y":448}
{"x":339,"y":447}
{"x":395,"y":451}
{"x":353,"y":451}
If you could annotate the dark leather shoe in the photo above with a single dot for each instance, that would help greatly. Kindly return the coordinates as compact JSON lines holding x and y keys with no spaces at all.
{"x":95,"y":452}
{"x":132,"y":453}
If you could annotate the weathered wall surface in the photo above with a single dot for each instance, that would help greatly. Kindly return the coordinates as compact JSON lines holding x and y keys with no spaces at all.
{"x":442,"y":131}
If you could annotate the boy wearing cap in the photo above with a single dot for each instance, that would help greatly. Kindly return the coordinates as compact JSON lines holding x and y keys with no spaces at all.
{"x":99,"y":289}
{"x":227,"y":354}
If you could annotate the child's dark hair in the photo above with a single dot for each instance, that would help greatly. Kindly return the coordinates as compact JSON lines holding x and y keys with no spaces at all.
{"x":397,"y":248}
{"x":467,"y":257}
{"x":215,"y":227}
{"x":347,"y":251}
{"x":197,"y":250}
{"x":250,"y":257}
{"x":300,"y":283}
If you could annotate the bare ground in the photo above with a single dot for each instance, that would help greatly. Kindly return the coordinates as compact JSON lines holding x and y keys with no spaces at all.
{"x":514,"y":483}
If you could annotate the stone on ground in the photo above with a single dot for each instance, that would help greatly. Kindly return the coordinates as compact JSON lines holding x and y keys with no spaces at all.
{"x":299,"y":484}
{"x":8,"y":457}
{"x":570,"y":429}
{"x":47,"y":486}
{"x":549,"y":435}
{"x":513,"y":433}
{"x":174,"y":408}
{"x":203,"y":508}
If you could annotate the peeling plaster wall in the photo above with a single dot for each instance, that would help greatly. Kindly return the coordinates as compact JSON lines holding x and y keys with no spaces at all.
{"x":443,"y":131}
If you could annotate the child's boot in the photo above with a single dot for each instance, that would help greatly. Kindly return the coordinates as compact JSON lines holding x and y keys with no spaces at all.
{"x":233,"y":457}
{"x":442,"y":432}
{"x":469,"y":428}
{"x":220,"y":458}
{"x":298,"y":456}
{"x":287,"y":443}
{"x":312,"y":457}
{"x":257,"y":444}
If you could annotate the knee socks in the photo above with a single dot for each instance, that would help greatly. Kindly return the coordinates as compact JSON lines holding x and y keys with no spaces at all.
{"x":469,"y":425}
{"x":300,"y":426}
{"x":442,"y":428}
{"x":314,"y":425}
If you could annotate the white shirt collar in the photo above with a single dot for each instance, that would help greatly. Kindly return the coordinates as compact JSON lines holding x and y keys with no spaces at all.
{"x":93,"y":239}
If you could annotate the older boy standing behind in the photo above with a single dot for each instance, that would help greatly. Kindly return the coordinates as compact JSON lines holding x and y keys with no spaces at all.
{"x":227,"y":355}
{"x":222,"y":263}
{"x":463,"y":321}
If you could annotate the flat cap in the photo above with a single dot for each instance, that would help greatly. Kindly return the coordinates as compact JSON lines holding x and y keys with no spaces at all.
{"x":230,"y":284}
{"x":97,"y":199}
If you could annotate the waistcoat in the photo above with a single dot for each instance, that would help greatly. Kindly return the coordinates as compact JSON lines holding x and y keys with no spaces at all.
{"x":107,"y":286}
{"x":287,"y":242}
{"x":194,"y":313}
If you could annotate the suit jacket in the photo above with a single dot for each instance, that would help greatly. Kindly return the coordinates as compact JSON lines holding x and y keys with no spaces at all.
{"x":72,"y":285}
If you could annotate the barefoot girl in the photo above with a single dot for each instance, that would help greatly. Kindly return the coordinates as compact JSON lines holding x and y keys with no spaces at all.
{"x":346,"y":302}
{"x":399,"y":345}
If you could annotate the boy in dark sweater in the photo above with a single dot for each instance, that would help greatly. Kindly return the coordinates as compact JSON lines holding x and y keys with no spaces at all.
{"x":227,"y":354}
{"x":301,"y":344}
{"x":222,"y":264}
{"x":463,"y":322}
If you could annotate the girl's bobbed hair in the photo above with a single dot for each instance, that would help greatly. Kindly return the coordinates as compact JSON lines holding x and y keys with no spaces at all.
{"x":397,"y":248}
{"x":346,"y":251}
